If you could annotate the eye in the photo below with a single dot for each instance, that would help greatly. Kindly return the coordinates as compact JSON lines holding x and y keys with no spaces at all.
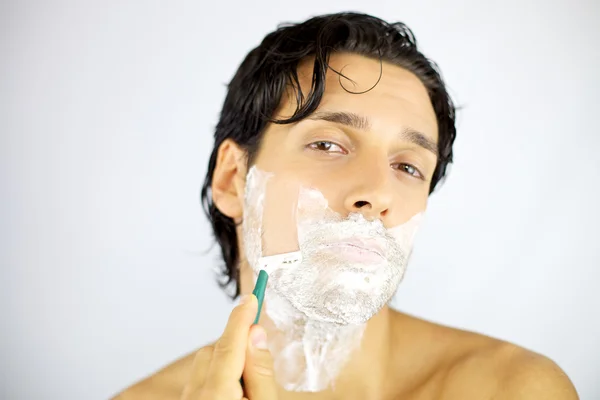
{"x":409,"y":169}
{"x":326,"y":146}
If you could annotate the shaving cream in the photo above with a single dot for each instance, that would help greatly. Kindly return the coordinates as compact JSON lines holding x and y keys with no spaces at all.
{"x":346,"y":270}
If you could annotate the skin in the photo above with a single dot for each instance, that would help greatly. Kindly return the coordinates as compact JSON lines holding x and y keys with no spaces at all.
{"x":378,"y":171}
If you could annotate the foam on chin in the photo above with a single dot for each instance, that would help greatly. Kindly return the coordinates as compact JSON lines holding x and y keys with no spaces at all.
{"x":319,"y":307}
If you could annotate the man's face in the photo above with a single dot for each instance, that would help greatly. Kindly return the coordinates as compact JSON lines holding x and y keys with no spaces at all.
{"x":369,"y":157}
{"x":371,"y":153}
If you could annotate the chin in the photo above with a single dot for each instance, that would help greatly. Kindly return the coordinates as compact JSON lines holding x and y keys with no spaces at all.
{"x":343,"y":308}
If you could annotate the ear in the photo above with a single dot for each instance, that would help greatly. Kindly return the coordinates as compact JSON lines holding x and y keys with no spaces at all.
{"x":228,"y":181}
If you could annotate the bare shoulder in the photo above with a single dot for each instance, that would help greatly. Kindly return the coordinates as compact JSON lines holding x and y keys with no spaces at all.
{"x":504,"y":371}
{"x":464,"y":365}
{"x":528,"y":375}
{"x":165,"y":384}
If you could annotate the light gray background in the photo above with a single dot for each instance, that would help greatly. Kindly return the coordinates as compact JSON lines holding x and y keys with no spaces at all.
{"x":107,"y":111}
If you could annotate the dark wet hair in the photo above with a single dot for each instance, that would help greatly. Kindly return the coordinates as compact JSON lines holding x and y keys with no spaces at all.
{"x":256,"y":90}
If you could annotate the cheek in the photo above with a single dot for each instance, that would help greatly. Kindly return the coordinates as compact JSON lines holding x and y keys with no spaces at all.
{"x":273,"y":153}
{"x":410,"y":206}
{"x":410,"y":199}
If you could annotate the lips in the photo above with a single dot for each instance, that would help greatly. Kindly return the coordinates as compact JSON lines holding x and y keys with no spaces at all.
{"x":364,"y":244}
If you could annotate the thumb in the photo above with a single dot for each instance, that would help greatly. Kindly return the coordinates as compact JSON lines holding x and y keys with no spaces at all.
{"x":259,"y":377}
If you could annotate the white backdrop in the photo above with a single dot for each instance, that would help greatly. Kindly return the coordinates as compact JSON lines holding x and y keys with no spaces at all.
{"x":107,"y":114}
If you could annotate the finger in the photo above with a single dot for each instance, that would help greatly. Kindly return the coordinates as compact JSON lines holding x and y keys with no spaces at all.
{"x":259,"y":378}
{"x":202,"y":364}
{"x":198,"y":372}
{"x":229,"y":354}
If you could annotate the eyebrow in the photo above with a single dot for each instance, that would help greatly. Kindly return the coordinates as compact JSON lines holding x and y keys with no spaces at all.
{"x":362,"y":123}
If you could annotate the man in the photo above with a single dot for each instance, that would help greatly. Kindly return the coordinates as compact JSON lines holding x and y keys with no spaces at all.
{"x":347,"y":105}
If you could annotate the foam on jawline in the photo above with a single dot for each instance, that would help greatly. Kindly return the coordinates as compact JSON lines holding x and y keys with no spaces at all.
{"x":317,"y":302}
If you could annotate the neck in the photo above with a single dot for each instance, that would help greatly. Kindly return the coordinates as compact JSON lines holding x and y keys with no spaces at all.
{"x":323,"y":358}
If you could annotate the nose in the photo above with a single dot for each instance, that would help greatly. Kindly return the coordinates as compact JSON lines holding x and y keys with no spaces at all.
{"x":370,"y":191}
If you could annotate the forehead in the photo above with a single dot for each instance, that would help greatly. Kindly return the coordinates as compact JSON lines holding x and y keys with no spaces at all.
{"x":390,"y":96}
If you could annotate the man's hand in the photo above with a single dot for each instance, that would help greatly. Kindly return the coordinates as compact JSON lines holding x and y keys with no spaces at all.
{"x":241,"y":350}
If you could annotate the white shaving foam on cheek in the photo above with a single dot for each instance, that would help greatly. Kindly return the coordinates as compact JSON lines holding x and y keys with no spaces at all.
{"x":320,"y":306}
{"x":254,"y":197}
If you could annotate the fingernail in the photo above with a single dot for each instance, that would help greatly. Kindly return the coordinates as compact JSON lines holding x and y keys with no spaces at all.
{"x":259,"y":338}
